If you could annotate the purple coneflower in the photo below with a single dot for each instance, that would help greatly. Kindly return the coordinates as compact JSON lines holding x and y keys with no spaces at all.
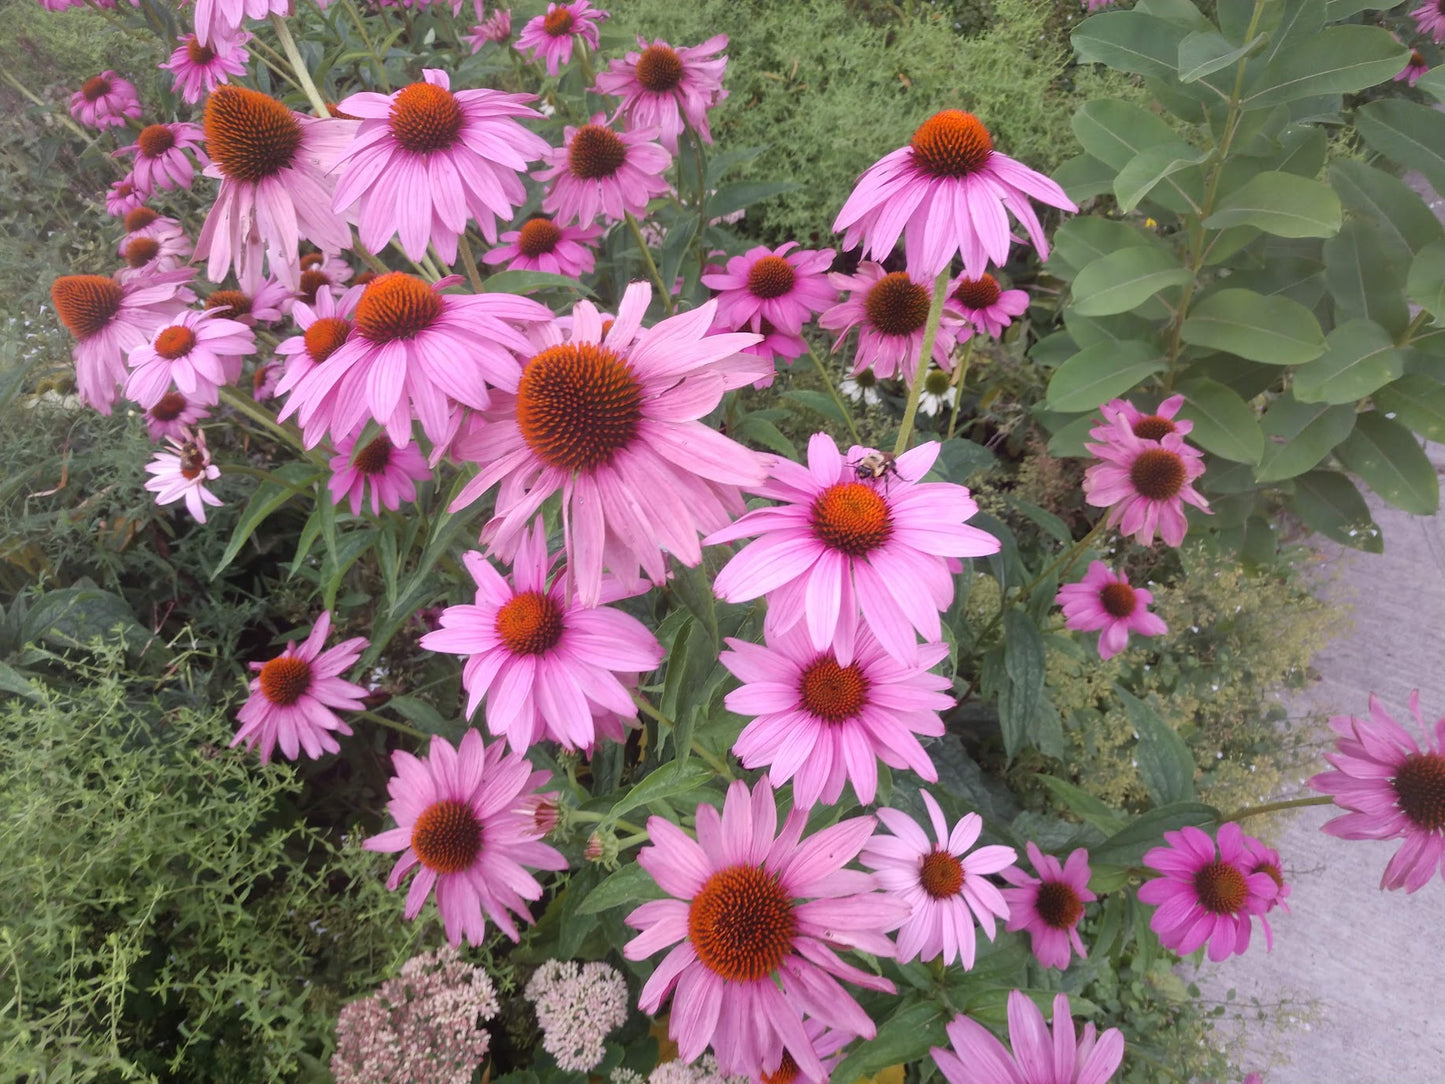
{"x":598,"y":171}
{"x":160,"y":156}
{"x":1038,"y":1057}
{"x":984,"y":304}
{"x":1144,"y":483}
{"x":542,"y":245}
{"x":1203,"y":897}
{"x":198,"y":352}
{"x":662,"y":88}
{"x":105,"y":101}
{"x":198,"y":70}
{"x":1048,"y":907}
{"x":182,"y":474}
{"x":549,"y":37}
{"x":1104,"y":602}
{"x":389,"y":472}
{"x":890,"y":311}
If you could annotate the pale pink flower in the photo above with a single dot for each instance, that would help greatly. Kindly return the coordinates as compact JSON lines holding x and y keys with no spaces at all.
{"x":428,"y":159}
{"x":1391,"y":788}
{"x":1430,"y":19}
{"x":542,"y":245}
{"x":612,"y":421}
{"x":320,"y":273}
{"x":549,"y":37}
{"x":747,"y":995}
{"x":890,"y":311}
{"x":1039,"y":1057}
{"x":324,"y":326}
{"x":264,"y":379}
{"x":548,"y":667}
{"x":577,"y":1005}
{"x":258,"y":299}
{"x":987,"y":307}
{"x":827,"y":1046}
{"x":389,"y":472}
{"x":1048,"y":907}
{"x":294,"y":697}
{"x":160,"y":156}
{"x":842,"y":542}
{"x":779,"y":287}
{"x":199,"y":69}
{"x":221,"y":20}
{"x":105,"y":101}
{"x":123,"y":196}
{"x":1155,"y":426}
{"x":109,"y":318}
{"x":172,"y":415}
{"x":464,"y":829}
{"x":820,"y":721}
{"x":496,"y":27}
{"x":1203,"y":896}
{"x":1413,"y":69}
{"x":1104,"y":602}
{"x":598,"y":171}
{"x":198,"y":352}
{"x":182,"y":474}
{"x":1144,"y":483}
{"x":947,"y":192}
{"x":149,"y":251}
{"x":665,"y":89}
{"x":945,"y":886}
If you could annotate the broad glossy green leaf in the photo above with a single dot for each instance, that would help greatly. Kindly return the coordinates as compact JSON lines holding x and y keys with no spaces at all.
{"x":1098,"y":373}
{"x":903,"y":1038}
{"x":1337,"y":60}
{"x":1087,"y":237}
{"x":1404,"y":223}
{"x":1147,"y":170}
{"x":628,"y":887}
{"x":1123,"y":280}
{"x":1363,"y":280}
{"x":1130,"y":41}
{"x":1115,"y":131}
{"x":668,"y":781}
{"x":1299,"y":19}
{"x":1223,"y":422}
{"x":1206,"y":52}
{"x":528,"y":282}
{"x":1068,"y":440}
{"x":1418,"y":401}
{"x":1388,"y":457}
{"x":1335,"y":10}
{"x":1127,"y":846}
{"x":1183,"y":12}
{"x":1426,"y":282}
{"x":1299,"y":435}
{"x":1413,"y":135}
{"x":1328,"y":502}
{"x":1284,"y":204}
{"x":1433,"y":84}
{"x":1084,"y":176}
{"x":1359,"y":357}
{"x":1302,"y":150}
{"x":1273,"y":330}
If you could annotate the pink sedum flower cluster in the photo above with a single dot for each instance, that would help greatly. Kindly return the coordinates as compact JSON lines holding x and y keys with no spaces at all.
{"x":577,"y":1005}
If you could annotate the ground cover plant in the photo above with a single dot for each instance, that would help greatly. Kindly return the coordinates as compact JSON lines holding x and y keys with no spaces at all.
{"x":512,"y":578}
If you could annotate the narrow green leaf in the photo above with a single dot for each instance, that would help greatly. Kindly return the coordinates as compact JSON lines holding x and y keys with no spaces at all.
{"x":735,"y":197}
{"x":1418,"y":401}
{"x":1206,"y":52}
{"x":1426,"y":282}
{"x":1085,"y":806}
{"x":1337,"y":60}
{"x":1165,"y":763}
{"x":902,"y":1039}
{"x":1388,"y":457}
{"x":287,"y":481}
{"x":16,"y":682}
{"x":1273,"y":330}
{"x":1223,"y":422}
{"x":1283,"y":204}
{"x":1131,"y":42}
{"x":1100,"y":372}
{"x":668,"y":781}
{"x":1126,"y":279}
{"x":1359,"y":357}
{"x":1150,"y":168}
{"x":1405,"y":225}
{"x":1299,"y":435}
{"x":817,"y":400}
{"x":629,"y":886}
{"x":529,"y":282}
{"x":1412,"y":134}
{"x":675,"y":247}
{"x":1329,"y":503}
{"x":1127,"y":846}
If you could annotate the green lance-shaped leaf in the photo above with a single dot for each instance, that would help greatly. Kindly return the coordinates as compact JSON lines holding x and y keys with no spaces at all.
{"x":1165,"y":763}
{"x":1174,"y":162}
{"x":1126,"y":279}
{"x":1283,"y":204}
{"x":1299,"y":435}
{"x":1223,"y":422}
{"x":1023,"y":685}
{"x":1389,"y":459}
{"x":1329,"y":503}
{"x":1100,"y":372}
{"x":1130,"y":41}
{"x":286,"y":481}
{"x":1411,"y":134}
{"x":529,"y":282}
{"x":1127,"y":846}
{"x":1337,"y":60}
{"x":1205,"y":52}
{"x":1359,"y":357}
{"x":630,"y":885}
{"x":1418,"y":401}
{"x":1273,"y":330}
{"x":1426,"y":281}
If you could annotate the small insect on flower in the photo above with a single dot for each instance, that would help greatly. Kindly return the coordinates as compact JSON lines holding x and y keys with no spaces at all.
{"x":875,"y":465}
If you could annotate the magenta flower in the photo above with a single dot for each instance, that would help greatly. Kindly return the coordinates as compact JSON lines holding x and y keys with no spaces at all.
{"x":542,"y":245}
{"x":819,"y":721}
{"x":1144,"y":483}
{"x":1155,"y":426}
{"x":258,"y":300}
{"x":109,"y":318}
{"x":779,"y":287}
{"x":946,"y":887}
{"x":664,"y":88}
{"x":890,"y":311}
{"x":612,"y":421}
{"x":427,"y":159}
{"x":1038,"y":1057}
{"x":1048,"y":907}
{"x":747,"y":994}
{"x":221,"y":20}
{"x":294,"y":697}
{"x":840,"y":543}
{"x":122,"y":196}
{"x":198,"y":352}
{"x":105,"y":101}
{"x":1265,"y":859}
{"x":160,"y":156}
{"x":1413,"y":69}
{"x":1391,"y":789}
{"x":401,"y":360}
{"x":151,"y":250}
{"x":549,"y":37}
{"x":324,"y":325}
{"x":320,"y":273}
{"x":275,"y":167}
{"x":827,"y":1046}
{"x":389,"y":472}
{"x":182,"y":474}
{"x":987,"y":307}
{"x":599,"y":172}
{"x":1104,"y":602}
{"x":171,"y":416}
{"x":546,"y":665}
{"x":496,"y":27}
{"x":198,"y":70}
{"x":1204,"y":897}
{"x":464,"y":827}
{"x":947,"y":192}
{"x":1098,"y":5}
{"x":1430,"y":19}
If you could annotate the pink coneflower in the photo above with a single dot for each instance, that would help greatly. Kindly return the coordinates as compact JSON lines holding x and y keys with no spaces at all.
{"x":123,"y":196}
{"x":275,"y":167}
{"x":320,"y":273}
{"x":427,"y":159}
{"x":1265,"y":859}
{"x":324,"y":327}
{"x":665,"y":88}
{"x":547,"y":665}
{"x":171,"y":415}
{"x":947,"y":192}
{"x":549,"y":37}
{"x":542,"y":245}
{"x":105,"y":101}
{"x":1413,"y":69}
{"x":1038,"y":1057}
{"x":746,"y":992}
{"x":1203,"y":896}
{"x":946,"y":887}
{"x":1048,"y":907}
{"x":198,"y":352}
{"x":146,"y":253}
{"x":197,"y":70}
{"x":1144,"y":483}
{"x":401,"y":359}
{"x":611,"y":420}
{"x":890,"y":311}
{"x":160,"y":156}
{"x":827,"y":1046}
{"x":1104,"y":602}
{"x":820,"y":721}
{"x":780,"y":286}
{"x":257,"y":299}
{"x":389,"y":472}
{"x":600,"y":172}
{"x":985,"y":305}
{"x":144,"y":222}
{"x":1155,"y":426}
{"x":264,"y":379}
{"x":1430,"y":19}
{"x":109,"y":318}
{"x":496,"y":27}
{"x":464,"y":826}
{"x":294,"y":697}
{"x":182,"y":474}
{"x":221,"y":20}
{"x":1391,"y":788}
{"x":841,"y":542}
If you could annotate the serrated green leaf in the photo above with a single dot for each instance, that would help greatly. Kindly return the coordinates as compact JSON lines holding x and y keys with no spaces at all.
{"x":1359,"y":357}
{"x":1336,"y":60}
{"x":1299,"y":435}
{"x":1329,"y":503}
{"x":1284,"y":204}
{"x":1223,"y":422}
{"x":1123,"y":280}
{"x":1388,"y":457}
{"x":1272,"y":330}
{"x":1100,"y":372}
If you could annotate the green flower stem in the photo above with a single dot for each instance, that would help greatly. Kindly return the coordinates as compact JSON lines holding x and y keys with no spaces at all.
{"x":273,"y":60}
{"x":585,"y":59}
{"x":703,"y":754}
{"x":958,"y":377}
{"x":1275,"y":807}
{"x":584,"y":816}
{"x":833,"y":391}
{"x":1062,"y":565}
{"x":293,"y":55}
{"x":469,"y":261}
{"x":652,"y":271}
{"x":633,"y":840}
{"x":925,"y":355}
{"x":243,"y":404}
{"x":1408,"y":335}
{"x":376,"y":62}
{"x":370,"y":259}
{"x":400,"y":728}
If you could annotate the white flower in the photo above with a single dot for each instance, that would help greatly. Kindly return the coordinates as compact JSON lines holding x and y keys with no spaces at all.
{"x":866,"y":393}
